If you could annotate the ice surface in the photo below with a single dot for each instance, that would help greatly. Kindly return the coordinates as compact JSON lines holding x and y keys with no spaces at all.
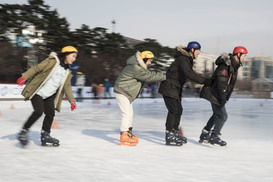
{"x":89,"y":144}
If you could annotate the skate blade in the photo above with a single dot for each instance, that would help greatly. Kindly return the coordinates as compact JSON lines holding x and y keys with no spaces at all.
{"x":50,"y":145}
{"x":128,"y":143}
{"x":204,"y":141}
{"x":217,"y":145}
{"x":173,"y":144}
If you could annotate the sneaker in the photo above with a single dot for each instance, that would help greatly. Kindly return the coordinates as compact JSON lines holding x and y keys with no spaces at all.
{"x":126,"y":139}
{"x":215,"y":139}
{"x":205,"y":136}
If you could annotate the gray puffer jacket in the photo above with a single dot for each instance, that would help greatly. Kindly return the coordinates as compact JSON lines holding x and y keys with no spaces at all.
{"x":131,"y":79}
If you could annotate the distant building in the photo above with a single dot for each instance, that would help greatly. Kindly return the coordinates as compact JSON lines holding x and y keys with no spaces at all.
{"x":257,"y":67}
{"x":264,"y":84}
{"x":205,"y":64}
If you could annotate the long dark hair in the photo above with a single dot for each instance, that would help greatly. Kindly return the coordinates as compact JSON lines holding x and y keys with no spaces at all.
{"x":62,"y":57}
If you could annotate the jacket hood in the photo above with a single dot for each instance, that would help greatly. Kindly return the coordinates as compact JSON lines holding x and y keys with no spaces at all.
{"x":136,"y":59}
{"x":227,"y":59}
{"x":181,"y":50}
{"x":52,"y":54}
{"x":224,"y":58}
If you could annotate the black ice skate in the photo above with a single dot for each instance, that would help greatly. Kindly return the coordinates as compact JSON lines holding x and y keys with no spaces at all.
{"x":22,"y":137}
{"x":205,"y":136}
{"x":171,"y":139}
{"x":215,"y":139}
{"x":176,"y":133}
{"x":46,"y":138}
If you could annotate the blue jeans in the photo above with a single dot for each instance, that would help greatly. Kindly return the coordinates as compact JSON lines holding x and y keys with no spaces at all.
{"x":218,"y":119}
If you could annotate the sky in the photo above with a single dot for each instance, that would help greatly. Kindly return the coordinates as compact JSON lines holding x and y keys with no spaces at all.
{"x":218,"y":26}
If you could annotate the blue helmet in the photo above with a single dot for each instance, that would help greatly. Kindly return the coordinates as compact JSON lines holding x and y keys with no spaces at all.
{"x":194,"y":45}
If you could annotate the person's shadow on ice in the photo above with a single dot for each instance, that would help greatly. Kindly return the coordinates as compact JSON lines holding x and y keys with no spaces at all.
{"x":113,"y":136}
{"x":34,"y":136}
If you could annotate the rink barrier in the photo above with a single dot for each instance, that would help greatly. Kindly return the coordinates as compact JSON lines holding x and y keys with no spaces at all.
{"x":11,"y":92}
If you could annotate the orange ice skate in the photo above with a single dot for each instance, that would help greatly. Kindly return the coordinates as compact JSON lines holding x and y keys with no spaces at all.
{"x":126,"y":139}
{"x":133,"y":136}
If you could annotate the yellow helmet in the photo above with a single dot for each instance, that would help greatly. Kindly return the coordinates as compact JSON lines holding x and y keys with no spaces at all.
{"x":79,"y":73}
{"x":147,"y":54}
{"x":69,"y":49}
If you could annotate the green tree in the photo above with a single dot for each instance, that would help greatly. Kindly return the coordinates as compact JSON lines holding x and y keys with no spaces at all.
{"x":102,"y":54}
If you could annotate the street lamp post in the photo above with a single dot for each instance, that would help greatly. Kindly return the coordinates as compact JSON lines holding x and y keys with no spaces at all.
{"x":33,"y":37}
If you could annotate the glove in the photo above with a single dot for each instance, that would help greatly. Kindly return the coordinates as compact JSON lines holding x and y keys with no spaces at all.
{"x":207,"y":82}
{"x":73,"y":106}
{"x":21,"y":81}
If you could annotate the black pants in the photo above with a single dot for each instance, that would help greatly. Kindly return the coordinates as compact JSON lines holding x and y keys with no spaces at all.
{"x":175,"y":110}
{"x":218,"y":119}
{"x":41,"y":106}
{"x":79,"y":94}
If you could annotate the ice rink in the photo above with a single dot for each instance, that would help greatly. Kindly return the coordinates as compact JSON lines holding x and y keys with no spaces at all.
{"x":89,"y":144}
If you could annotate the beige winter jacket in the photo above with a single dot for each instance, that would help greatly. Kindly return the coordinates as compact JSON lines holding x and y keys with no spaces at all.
{"x":40,"y":73}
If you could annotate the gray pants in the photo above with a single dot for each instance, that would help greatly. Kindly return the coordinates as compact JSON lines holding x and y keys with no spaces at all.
{"x":218,"y":119}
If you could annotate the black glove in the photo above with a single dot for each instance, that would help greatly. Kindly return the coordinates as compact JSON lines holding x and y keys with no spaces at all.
{"x":222,"y":103}
{"x":207,"y":82}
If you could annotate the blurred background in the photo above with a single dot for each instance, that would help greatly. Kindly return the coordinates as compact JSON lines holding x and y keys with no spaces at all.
{"x":107,"y":33}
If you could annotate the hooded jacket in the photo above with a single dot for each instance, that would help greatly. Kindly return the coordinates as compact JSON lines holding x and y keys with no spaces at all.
{"x":177,"y":74}
{"x":224,"y":79}
{"x":131,"y":79}
{"x":39,"y":74}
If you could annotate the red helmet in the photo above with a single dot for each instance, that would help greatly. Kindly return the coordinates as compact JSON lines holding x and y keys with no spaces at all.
{"x":240,"y":49}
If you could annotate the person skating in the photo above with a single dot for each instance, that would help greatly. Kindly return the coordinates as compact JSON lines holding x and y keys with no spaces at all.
{"x":107,"y":87}
{"x":224,"y":79}
{"x":128,"y":86}
{"x":49,"y":81}
{"x":80,"y":83}
{"x":177,"y":74}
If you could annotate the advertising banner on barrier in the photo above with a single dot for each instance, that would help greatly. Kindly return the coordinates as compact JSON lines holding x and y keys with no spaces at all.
{"x":11,"y":91}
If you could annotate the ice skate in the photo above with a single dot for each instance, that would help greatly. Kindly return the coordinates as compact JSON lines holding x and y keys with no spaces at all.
{"x":184,"y":139}
{"x":126,"y":139}
{"x":215,"y":139}
{"x":171,"y":139}
{"x":46,"y":138}
{"x":205,"y":136}
{"x":22,"y":137}
{"x":133,"y":136}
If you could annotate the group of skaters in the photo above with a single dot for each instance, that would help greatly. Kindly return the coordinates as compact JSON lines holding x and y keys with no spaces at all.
{"x":48,"y":81}
{"x":98,"y":90}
